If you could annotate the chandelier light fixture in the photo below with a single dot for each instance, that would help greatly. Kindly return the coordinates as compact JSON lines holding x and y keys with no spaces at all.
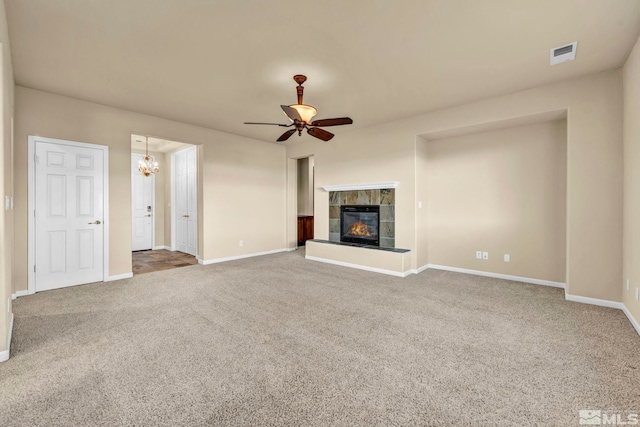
{"x":148,"y":166}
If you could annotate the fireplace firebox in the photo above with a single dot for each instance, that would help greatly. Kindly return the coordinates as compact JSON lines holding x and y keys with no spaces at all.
{"x":360,"y":224}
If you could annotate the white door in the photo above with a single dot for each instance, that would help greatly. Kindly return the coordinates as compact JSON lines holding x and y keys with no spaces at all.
{"x":142,"y":188}
{"x":186,"y":200}
{"x":69,"y":207}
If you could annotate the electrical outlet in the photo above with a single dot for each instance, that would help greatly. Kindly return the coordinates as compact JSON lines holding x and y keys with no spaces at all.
{"x":627,"y":284}
{"x":479,"y":254}
{"x":507,"y":258}
{"x":419,"y":205}
{"x":241,"y":243}
{"x":485,"y":255}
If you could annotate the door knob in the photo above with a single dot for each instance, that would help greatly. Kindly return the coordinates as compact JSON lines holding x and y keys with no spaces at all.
{"x":185,"y":216}
{"x":96,"y":222}
{"x":148,"y":215}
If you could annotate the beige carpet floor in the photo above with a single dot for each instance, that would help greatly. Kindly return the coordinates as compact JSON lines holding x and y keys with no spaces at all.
{"x":278,"y":340}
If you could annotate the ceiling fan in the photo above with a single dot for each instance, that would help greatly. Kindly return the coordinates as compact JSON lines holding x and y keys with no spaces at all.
{"x":301,"y":115}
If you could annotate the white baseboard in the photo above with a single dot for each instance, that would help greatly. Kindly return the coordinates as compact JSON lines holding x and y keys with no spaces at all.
{"x":233,"y":258}
{"x":4,"y":355}
{"x":19,"y":294}
{"x":119,"y":277}
{"x":420,"y":270}
{"x":498,"y":276}
{"x":594,"y":301}
{"x":291,"y":249}
{"x":360,"y":267}
{"x":158,"y":248}
{"x":633,"y":321}
{"x":606,"y":303}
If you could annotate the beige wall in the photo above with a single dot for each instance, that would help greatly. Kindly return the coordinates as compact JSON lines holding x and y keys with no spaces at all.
{"x":310,"y":184}
{"x":594,"y":170}
{"x":631,"y":75}
{"x":422,"y":201}
{"x":305,"y":186}
{"x":248,"y":202}
{"x":6,"y":183}
{"x":236,"y":172}
{"x":292,"y":204}
{"x":304,"y":207}
{"x":503,"y":192}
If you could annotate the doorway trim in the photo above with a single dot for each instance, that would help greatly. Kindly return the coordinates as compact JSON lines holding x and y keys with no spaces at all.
{"x":31,"y":205}
{"x":153,"y":205}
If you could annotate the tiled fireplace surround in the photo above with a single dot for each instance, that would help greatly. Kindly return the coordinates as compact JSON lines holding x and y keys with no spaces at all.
{"x":385,"y":198}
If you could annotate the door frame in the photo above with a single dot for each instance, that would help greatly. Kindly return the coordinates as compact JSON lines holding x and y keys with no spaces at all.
{"x":31,"y":205}
{"x":153,"y":204}
{"x":174,"y":225}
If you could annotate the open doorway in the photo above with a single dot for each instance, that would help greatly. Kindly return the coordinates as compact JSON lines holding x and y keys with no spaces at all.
{"x":305,"y":199}
{"x":153,"y":226}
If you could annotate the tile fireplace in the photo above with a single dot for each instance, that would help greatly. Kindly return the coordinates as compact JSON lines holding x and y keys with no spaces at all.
{"x":381,"y":199}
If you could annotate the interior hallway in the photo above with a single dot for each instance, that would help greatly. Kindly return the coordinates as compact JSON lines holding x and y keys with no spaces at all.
{"x":148,"y":261}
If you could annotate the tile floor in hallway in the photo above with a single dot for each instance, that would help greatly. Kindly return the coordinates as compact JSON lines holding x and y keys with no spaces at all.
{"x":148,"y":261}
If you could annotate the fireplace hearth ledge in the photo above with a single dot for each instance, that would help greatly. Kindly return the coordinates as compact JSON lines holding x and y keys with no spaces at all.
{"x":359,"y":245}
{"x":392,"y":261}
{"x":366,"y":186}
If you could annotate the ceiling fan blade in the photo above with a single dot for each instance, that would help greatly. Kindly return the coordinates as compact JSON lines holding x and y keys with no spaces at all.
{"x":291,"y":113}
{"x":332,"y":122}
{"x":286,"y":135}
{"x":260,"y":123}
{"x":320,"y":133}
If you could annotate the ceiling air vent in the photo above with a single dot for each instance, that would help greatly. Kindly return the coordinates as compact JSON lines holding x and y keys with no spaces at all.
{"x":563,"y":53}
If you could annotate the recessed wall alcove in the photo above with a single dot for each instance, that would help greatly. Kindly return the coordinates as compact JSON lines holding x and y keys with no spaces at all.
{"x":499,"y":188}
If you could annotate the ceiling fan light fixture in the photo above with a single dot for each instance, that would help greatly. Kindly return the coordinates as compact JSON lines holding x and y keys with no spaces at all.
{"x":306,"y":112}
{"x":300,"y":116}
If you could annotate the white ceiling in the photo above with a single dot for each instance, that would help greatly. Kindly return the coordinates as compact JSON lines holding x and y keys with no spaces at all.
{"x":156,"y":145}
{"x":219,"y":63}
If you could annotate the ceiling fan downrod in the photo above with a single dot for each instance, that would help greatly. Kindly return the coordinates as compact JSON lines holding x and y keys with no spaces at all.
{"x":299,"y":78}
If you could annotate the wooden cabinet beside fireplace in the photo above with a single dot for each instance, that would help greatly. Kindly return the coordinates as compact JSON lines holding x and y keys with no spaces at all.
{"x":305,"y":229}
